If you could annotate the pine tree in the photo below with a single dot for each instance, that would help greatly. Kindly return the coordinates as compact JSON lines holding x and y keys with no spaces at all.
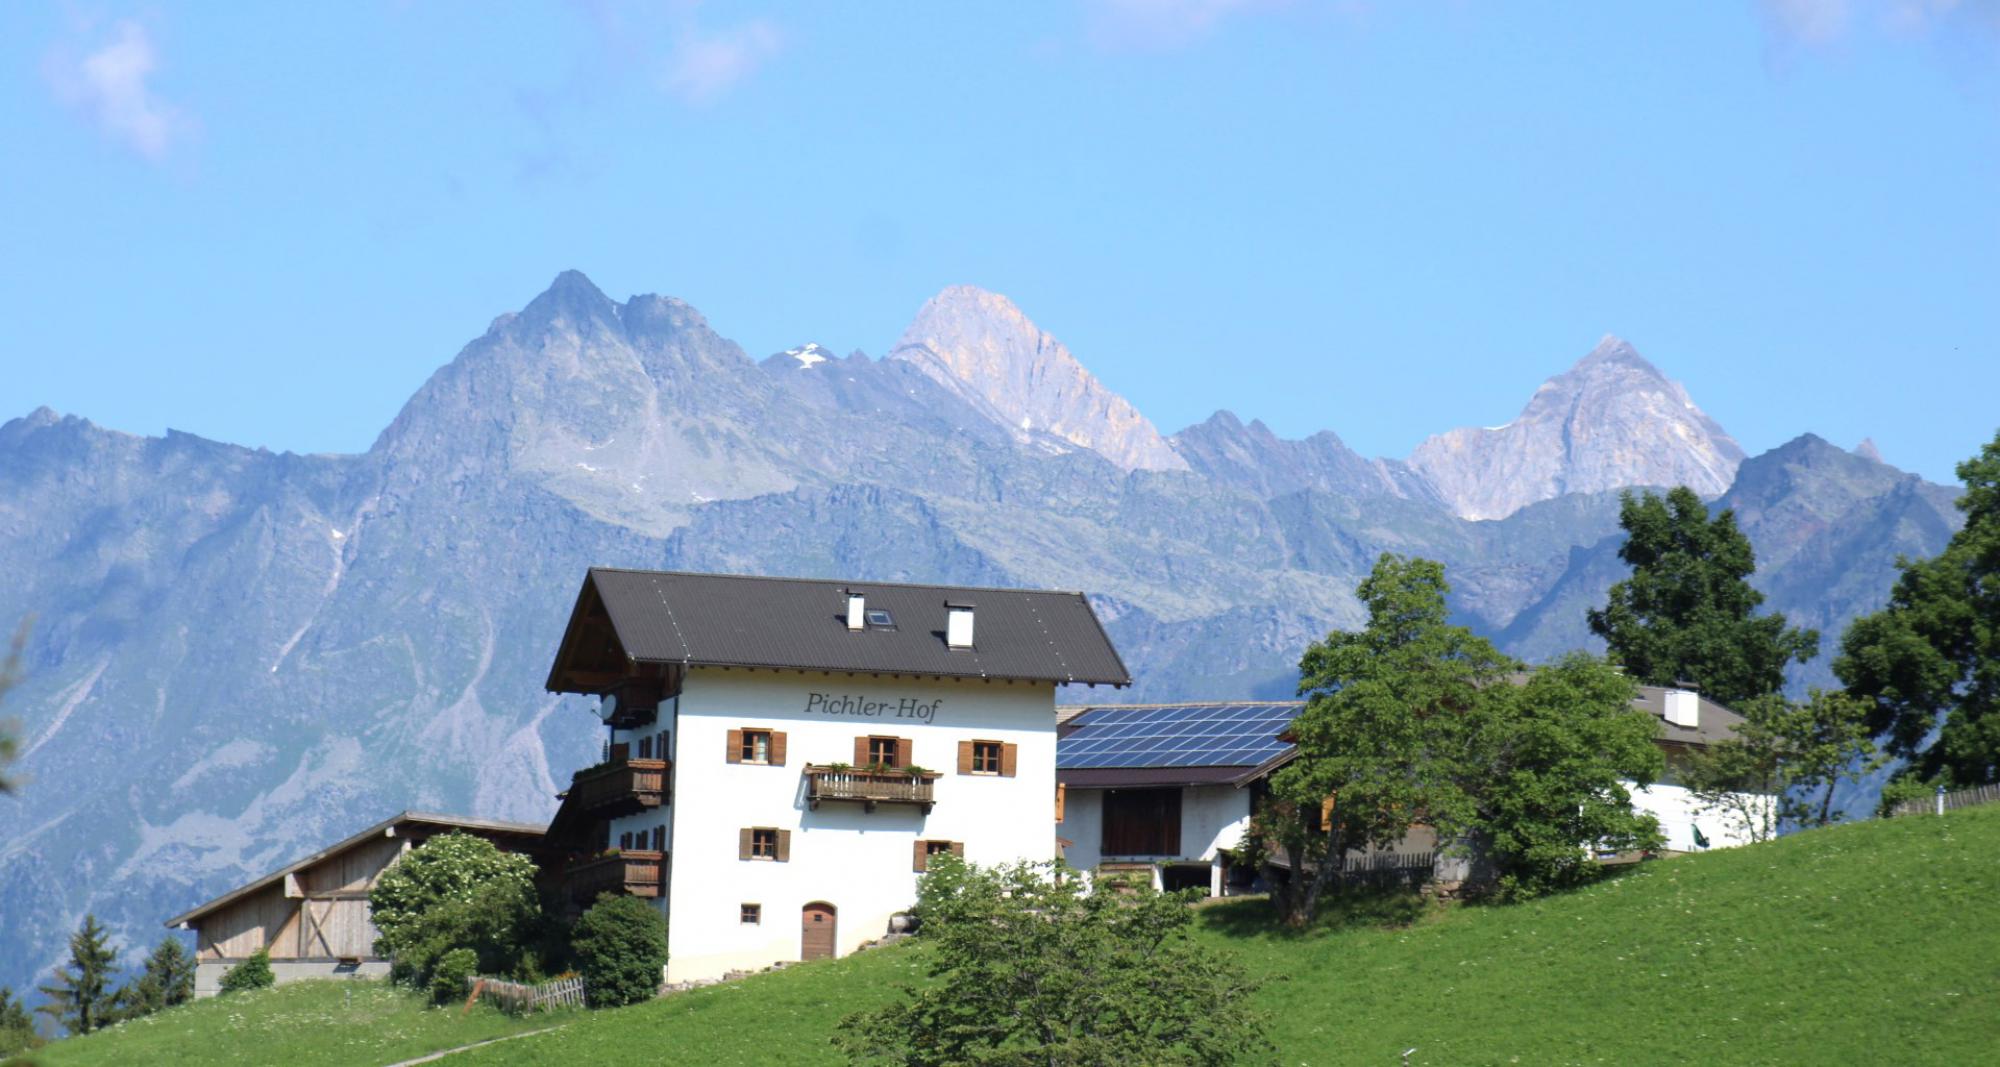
{"x":17,"y":1028}
{"x":168,"y":980}
{"x":1688,"y":612}
{"x":81,"y":996}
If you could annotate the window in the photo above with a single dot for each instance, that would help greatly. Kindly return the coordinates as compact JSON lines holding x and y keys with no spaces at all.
{"x":659,"y":839}
{"x":645,"y":748}
{"x":882,"y":750}
{"x":986,"y":757}
{"x":625,"y":841}
{"x":763,"y":747}
{"x":926,"y":849}
{"x":752,"y":914}
{"x":660,"y":745}
{"x":763,"y":843}
{"x":880,"y":617}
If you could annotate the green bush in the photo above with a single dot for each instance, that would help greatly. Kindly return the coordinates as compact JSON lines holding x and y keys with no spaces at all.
{"x":620,"y":945}
{"x":252,"y":973}
{"x":453,"y":975}
{"x":457,"y":891}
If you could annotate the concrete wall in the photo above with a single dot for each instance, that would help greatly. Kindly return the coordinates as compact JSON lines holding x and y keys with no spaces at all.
{"x":208,"y":973}
{"x":1213,"y":817}
{"x":859,"y":861}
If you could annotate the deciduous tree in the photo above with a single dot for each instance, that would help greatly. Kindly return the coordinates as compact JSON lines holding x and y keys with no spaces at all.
{"x":1551,"y":759}
{"x":455,"y":891}
{"x":1930,"y":660}
{"x":1688,"y":612}
{"x":1386,"y":739}
{"x":621,"y":946}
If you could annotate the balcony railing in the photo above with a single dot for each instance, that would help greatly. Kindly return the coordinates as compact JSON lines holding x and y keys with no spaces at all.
{"x":870,"y":787}
{"x":620,"y":787}
{"x":635,"y":873}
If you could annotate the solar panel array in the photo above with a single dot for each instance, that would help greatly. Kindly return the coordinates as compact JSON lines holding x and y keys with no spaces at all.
{"x":1176,"y":735}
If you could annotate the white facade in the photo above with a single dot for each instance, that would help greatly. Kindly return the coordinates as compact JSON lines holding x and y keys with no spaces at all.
{"x":859,"y":861}
{"x":1680,"y":813}
{"x":1213,"y":818}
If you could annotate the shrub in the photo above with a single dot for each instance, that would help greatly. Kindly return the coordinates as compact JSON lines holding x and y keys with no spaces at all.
{"x":456,"y":891}
{"x":620,"y":944}
{"x":252,"y":973}
{"x":1026,"y":967}
{"x":453,"y":975}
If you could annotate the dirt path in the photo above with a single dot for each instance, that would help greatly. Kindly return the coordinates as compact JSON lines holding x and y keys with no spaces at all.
{"x":476,"y":1044}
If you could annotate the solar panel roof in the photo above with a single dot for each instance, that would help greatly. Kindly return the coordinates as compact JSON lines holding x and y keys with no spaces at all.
{"x":1176,"y":735}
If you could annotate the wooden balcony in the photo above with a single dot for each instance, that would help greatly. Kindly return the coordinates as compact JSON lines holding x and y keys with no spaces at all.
{"x":634,"y":873}
{"x":870,"y":788}
{"x":619,"y":787}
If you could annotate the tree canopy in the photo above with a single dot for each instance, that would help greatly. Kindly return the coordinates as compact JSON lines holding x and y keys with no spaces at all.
{"x":1931,"y":658}
{"x":1688,"y":612}
{"x":1386,"y":733}
{"x":455,"y":891}
{"x":1554,"y":754}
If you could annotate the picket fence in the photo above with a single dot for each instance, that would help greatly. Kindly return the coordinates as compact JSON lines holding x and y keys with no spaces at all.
{"x":1964,"y":798}
{"x":519,"y":998}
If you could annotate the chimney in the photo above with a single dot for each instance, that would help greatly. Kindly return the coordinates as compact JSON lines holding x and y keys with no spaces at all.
{"x":1682,"y":707}
{"x":857,"y":611}
{"x":957,"y":625}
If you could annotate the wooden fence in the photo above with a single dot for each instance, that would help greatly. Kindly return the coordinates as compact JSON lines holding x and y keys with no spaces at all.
{"x":1964,"y":798}
{"x":519,"y":998}
{"x":1391,"y":868}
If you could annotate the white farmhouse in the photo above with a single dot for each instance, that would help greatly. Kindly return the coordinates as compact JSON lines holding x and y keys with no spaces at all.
{"x":783,"y":755}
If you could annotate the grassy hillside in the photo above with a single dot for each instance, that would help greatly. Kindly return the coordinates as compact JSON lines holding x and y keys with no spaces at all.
{"x":1875,"y":943}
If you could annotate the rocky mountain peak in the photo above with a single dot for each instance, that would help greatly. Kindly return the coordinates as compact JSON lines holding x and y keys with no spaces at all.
{"x":1611,"y":421}
{"x":983,"y":348}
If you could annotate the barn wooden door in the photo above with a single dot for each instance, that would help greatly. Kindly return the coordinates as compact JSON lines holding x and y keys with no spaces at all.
{"x":816,"y":924}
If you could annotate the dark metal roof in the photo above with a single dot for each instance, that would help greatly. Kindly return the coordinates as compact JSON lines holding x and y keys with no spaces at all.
{"x":732,"y":620}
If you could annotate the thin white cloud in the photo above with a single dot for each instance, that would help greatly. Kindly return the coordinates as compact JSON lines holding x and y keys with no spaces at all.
{"x":1155,"y":24}
{"x":109,"y":87}
{"x":705,"y":64}
{"x":1829,"y":22}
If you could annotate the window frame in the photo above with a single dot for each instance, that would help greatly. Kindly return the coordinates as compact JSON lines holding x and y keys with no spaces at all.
{"x":996,"y":749}
{"x":759,"y":835}
{"x":895,"y":747}
{"x":750,"y":913}
{"x":748,"y":751}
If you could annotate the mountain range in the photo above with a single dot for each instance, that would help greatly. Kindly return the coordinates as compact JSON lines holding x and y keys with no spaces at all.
{"x":237,"y":655}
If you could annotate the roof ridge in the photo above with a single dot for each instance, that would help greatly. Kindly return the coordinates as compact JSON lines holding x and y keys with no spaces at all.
{"x":841,"y":581}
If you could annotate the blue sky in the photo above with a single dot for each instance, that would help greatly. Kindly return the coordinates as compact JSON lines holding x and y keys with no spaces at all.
{"x":269,"y":226}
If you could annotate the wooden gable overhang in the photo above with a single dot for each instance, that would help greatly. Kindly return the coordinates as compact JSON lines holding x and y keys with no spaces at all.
{"x":590,"y":660}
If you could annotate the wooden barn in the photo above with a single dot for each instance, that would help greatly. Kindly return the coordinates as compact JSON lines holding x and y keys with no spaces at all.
{"x":313,"y":914}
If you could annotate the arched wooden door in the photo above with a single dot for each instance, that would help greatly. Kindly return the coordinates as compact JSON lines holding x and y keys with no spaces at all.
{"x":816,"y":925}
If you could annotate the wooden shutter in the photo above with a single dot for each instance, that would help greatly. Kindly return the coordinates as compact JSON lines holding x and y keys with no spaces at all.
{"x":920,"y":854}
{"x":1007,"y":752}
{"x":861,"y":752}
{"x":905,"y":750}
{"x":777,"y":748}
{"x":735,"y":746}
{"x":743,"y":843}
{"x":621,"y":751}
{"x":965,"y":757}
{"x":958,"y":849}
{"x":1059,"y":801}
{"x":1326,"y":812}
{"x":784,"y":845}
